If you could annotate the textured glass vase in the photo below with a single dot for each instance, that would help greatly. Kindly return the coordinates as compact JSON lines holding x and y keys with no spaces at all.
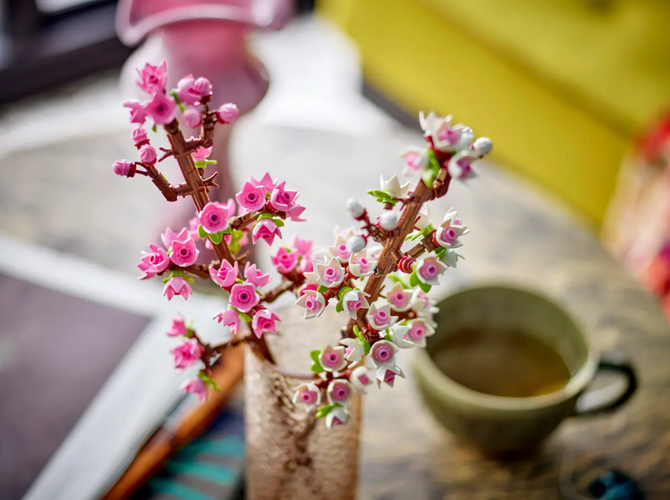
{"x":291,"y":455}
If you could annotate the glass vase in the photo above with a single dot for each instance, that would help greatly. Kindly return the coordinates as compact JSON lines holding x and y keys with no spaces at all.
{"x":292,"y":455}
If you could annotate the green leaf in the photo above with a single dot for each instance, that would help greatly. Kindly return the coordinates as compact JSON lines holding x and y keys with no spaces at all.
{"x":201,"y":232}
{"x":343,"y":291}
{"x":178,"y":101}
{"x":382,"y":196}
{"x":424,"y":232}
{"x":387,"y":336}
{"x":264,"y":215}
{"x":279,"y":222}
{"x":205,"y":378}
{"x":396,"y":279}
{"x":439,"y":251}
{"x":324,"y":410}
{"x":189,"y":333}
{"x":413,"y":279}
{"x":339,"y":307}
{"x":322,"y":289}
{"x":366,"y":346}
{"x":234,"y":246}
{"x":154,"y":128}
{"x":216,"y":238}
{"x":245,"y":317}
{"x":316,"y":367}
{"x":424,"y":286}
{"x":200,"y":164}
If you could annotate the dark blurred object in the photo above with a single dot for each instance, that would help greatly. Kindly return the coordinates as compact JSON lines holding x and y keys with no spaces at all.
{"x":41,"y":49}
{"x":637,"y":226}
{"x":616,"y":485}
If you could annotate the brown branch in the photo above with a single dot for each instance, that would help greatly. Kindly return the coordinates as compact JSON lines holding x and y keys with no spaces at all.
{"x":426,"y":245}
{"x":289,"y":284}
{"x":392,"y":247}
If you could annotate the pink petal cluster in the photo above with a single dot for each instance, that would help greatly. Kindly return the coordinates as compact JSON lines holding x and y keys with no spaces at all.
{"x":124,"y":168}
{"x":313,"y":301}
{"x":266,"y":230}
{"x":201,"y":154}
{"x":191,"y":117}
{"x":191,"y":90}
{"x":252,"y":197}
{"x":186,"y":354}
{"x":161,"y":109}
{"x":154,"y":262}
{"x":137,"y":112}
{"x":226,"y":274}
{"x":229,"y":318}
{"x":148,"y":154}
{"x":178,"y":327}
{"x":196,"y":386}
{"x":153,"y":78}
{"x":214,"y":217}
{"x":184,"y":252}
{"x":283,"y":199}
{"x":177,"y":286}
{"x":264,"y":321}
{"x":255,"y":275}
{"x":228,"y":113}
{"x":285,"y":260}
{"x":243,"y":297}
{"x":139,"y":136}
{"x":303,"y":247}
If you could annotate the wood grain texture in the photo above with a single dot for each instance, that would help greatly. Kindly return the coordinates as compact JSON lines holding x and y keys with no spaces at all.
{"x":519,"y":234}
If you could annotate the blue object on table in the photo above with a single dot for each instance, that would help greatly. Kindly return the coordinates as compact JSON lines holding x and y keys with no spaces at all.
{"x":616,"y":485}
{"x":211,"y":467}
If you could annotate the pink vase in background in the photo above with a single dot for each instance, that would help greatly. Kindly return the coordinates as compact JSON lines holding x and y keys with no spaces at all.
{"x":205,"y":38}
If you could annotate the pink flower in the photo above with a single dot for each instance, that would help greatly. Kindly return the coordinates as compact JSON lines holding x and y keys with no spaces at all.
{"x":429,"y":269}
{"x":307,"y":394}
{"x":153,"y":78}
{"x":362,"y":264}
{"x":354,"y":300}
{"x":178,"y":327}
{"x":306,"y":265}
{"x":418,"y":331}
{"x":124,"y":168}
{"x":314,"y":303}
{"x":283,"y":199}
{"x":244,"y":297}
{"x":186,"y":354}
{"x":380,"y":318}
{"x":382,"y":353}
{"x":184,"y":251}
{"x":214,"y":217}
{"x":137,"y":112}
{"x":201,"y":154}
{"x":264,"y":321}
{"x":161,"y":109}
{"x":337,"y":416}
{"x":139,"y":136}
{"x":266,"y":230}
{"x":255,"y":276}
{"x":195,"y":386}
{"x":227,"y":113}
{"x":330,"y":275}
{"x":191,"y":117}
{"x":202,"y":87}
{"x":153,"y":262}
{"x":284,"y":260}
{"x":360,"y":379}
{"x":399,"y":298}
{"x":177,"y":286}
{"x":169,"y":236}
{"x":148,"y":154}
{"x":267,"y":182}
{"x":354,"y":350}
{"x":304,"y":247}
{"x":339,"y":391}
{"x":387,"y":374}
{"x":252,"y":197}
{"x":340,"y":250}
{"x":229,"y":318}
{"x":185,"y":91}
{"x":460,"y":165}
{"x":295,"y":213}
{"x":226,"y":275}
{"x":399,"y":336}
{"x":308,"y":286}
{"x":332,"y":359}
{"x":416,"y":159}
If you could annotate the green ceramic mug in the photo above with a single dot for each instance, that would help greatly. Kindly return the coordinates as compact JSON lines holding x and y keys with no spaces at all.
{"x":506,"y":424}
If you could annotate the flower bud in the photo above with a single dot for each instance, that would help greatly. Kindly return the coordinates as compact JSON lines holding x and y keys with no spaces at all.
{"x":139,"y":136}
{"x":191,"y":117}
{"x":482,"y":146}
{"x":202,"y":87}
{"x":388,"y":220}
{"x":355,"y":208}
{"x":356,"y":243}
{"x":124,"y":168}
{"x":148,"y":154}
{"x":228,"y":113}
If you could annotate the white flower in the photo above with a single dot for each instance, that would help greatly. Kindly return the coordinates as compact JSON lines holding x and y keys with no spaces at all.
{"x":382,"y":353}
{"x":388,"y":220}
{"x":337,"y":416}
{"x":354,"y":300}
{"x":423,"y":218}
{"x":321,"y":257}
{"x":450,"y":230}
{"x":360,"y":378}
{"x":445,"y":136}
{"x":314,"y":303}
{"x":340,"y":249}
{"x":356,"y":243}
{"x":399,"y":298}
{"x":393,"y":186}
{"x":418,"y":329}
{"x":460,"y":165}
{"x":375,"y":251}
{"x":482,"y":146}
{"x":398,"y":334}
{"x":355,"y":208}
{"x":340,"y":392}
{"x":307,"y":394}
{"x":354,"y":351}
{"x":387,"y":374}
{"x":380,"y":318}
{"x":429,"y":269}
{"x":420,"y":301}
{"x":361,"y":265}
{"x":330,"y":275}
{"x":416,"y":159}
{"x":451,"y":257}
{"x":332,"y":358}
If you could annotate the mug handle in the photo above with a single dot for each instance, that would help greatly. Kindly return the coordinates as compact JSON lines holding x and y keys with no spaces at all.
{"x":610,"y":397}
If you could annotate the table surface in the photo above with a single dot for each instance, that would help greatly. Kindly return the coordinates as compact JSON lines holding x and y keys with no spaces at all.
{"x":69,"y":199}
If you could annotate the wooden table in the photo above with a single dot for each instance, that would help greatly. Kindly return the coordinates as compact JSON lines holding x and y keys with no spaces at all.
{"x":518,"y":234}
